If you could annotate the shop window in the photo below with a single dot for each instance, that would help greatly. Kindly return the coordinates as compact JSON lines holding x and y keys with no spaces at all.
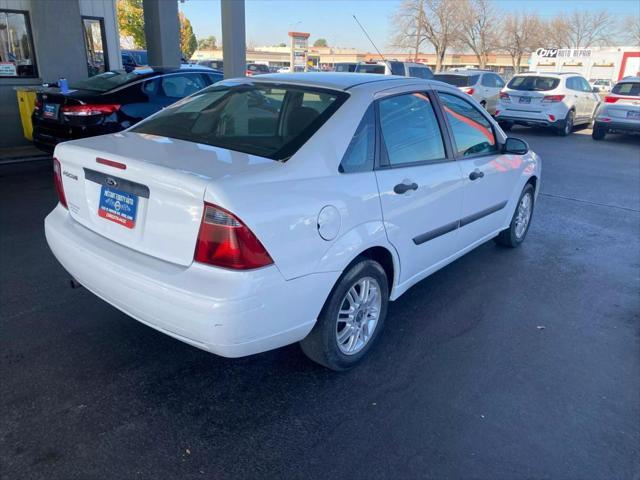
{"x":96,"y":45}
{"x":17,"y":57}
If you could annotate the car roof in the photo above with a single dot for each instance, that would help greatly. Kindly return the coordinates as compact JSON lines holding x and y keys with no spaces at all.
{"x":632,"y":79}
{"x":332,"y":80}
{"x":150,"y":71}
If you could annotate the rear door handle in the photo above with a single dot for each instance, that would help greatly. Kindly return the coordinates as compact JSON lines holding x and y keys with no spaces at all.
{"x":405,"y":187}
{"x":476,"y":174}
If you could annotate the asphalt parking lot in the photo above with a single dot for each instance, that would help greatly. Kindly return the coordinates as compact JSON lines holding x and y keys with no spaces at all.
{"x":506,"y":364}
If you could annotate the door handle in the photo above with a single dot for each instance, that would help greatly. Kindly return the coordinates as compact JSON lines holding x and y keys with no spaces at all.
{"x":476,"y":174}
{"x":405,"y":187}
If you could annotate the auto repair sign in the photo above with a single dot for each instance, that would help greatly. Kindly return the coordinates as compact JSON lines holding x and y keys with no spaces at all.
{"x":563,"y":52}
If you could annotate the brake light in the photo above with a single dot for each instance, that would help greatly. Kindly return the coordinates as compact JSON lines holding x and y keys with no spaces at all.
{"x":610,"y":99}
{"x":57,"y":181}
{"x":552,"y":98}
{"x":505,"y":96}
{"x":111,"y":163}
{"x":88,"y":110}
{"x":224,"y":241}
{"x":468,"y":90}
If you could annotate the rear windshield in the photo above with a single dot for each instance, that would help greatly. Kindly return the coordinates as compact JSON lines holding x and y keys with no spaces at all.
{"x":533,"y":84}
{"x":110,"y":80}
{"x":258,"y":68}
{"x":627,"y":88}
{"x":457,"y":80}
{"x":370,"y":68}
{"x":345,"y":67}
{"x":271,"y":121}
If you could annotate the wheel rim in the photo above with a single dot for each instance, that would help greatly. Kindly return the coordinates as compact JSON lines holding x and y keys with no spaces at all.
{"x":523,"y":215}
{"x":569,"y":124}
{"x":358,"y":315}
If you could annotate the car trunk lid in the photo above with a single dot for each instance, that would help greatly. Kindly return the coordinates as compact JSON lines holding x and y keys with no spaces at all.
{"x":146,"y":192}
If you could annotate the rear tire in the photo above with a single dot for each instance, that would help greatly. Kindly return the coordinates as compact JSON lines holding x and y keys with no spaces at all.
{"x":598,"y":132}
{"x":351,"y":319}
{"x":567,"y":125}
{"x":513,"y":236}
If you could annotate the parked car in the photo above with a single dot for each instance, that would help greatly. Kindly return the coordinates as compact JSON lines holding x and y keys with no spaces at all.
{"x":603,"y":85}
{"x":112,"y":101}
{"x":405,"y":69}
{"x":556,"y":100}
{"x":483,"y":85}
{"x":232,"y":227}
{"x":620,"y":112}
{"x":256,"y":69}
{"x":345,"y":67}
{"x":215,"y":64}
{"x":132,"y":59}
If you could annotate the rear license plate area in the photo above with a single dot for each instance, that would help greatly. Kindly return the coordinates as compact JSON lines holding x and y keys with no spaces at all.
{"x":633,"y":115}
{"x":525,"y":99}
{"x":118,"y":206}
{"x":50,"y":110}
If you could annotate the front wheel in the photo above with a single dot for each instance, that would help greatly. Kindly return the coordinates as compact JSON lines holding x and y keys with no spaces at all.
{"x":351,"y":318}
{"x":514,"y":235}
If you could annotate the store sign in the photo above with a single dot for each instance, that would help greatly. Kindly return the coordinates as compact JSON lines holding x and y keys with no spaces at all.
{"x":563,"y":52}
{"x":8,"y":69}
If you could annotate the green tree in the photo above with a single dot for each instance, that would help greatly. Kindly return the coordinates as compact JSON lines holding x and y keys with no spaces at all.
{"x":207,"y":43}
{"x":321,"y":42}
{"x":131,"y":21}
{"x":282,"y":44}
{"x":188,"y":41}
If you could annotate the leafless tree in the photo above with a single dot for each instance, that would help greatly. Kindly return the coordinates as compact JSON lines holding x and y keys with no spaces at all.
{"x":521,"y":34}
{"x":478,"y":29}
{"x":580,"y":29}
{"x":434,"y":21}
{"x":631,"y":29}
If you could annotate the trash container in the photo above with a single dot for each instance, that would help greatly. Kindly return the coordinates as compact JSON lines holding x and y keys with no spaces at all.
{"x":26,"y":104}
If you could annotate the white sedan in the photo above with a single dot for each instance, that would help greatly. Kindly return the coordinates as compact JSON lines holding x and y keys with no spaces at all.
{"x":284,"y":208}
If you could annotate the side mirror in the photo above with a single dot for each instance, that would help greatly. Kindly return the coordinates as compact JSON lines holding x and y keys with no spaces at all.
{"x":515,"y":146}
{"x":595,"y":90}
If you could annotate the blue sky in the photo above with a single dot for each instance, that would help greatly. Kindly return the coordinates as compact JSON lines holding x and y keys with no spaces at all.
{"x":267,"y":21}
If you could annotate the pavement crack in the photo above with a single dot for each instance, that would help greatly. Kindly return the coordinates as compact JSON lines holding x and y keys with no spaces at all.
{"x":588,"y":202}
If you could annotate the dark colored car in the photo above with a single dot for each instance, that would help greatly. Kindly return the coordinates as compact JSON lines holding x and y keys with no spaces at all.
{"x":111,"y":102}
{"x":132,"y":59}
{"x":256,"y":69}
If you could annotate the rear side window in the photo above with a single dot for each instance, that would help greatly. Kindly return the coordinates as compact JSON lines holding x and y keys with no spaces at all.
{"x":397,"y":68}
{"x":179,"y":86}
{"x":631,"y":89}
{"x":420,"y":72}
{"x":472,"y":132}
{"x":370,"y":68}
{"x":573,"y":83}
{"x":258,"y":119}
{"x":457,"y":80}
{"x":492,"y":80}
{"x":533,"y":84}
{"x":359,"y":154}
{"x":410,"y":130}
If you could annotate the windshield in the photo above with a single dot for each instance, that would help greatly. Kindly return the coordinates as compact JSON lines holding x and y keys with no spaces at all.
{"x":457,"y":80}
{"x":259,"y":119}
{"x":345,"y":67}
{"x":627,"y":88}
{"x":370,"y":68}
{"x":109,"y":80}
{"x":533,"y":84}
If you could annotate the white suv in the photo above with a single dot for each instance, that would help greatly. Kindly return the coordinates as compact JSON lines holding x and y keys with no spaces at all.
{"x":556,"y":100}
{"x":483,"y":85}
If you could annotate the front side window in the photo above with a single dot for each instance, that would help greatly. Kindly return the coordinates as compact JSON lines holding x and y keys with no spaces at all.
{"x":259,"y":119}
{"x":359,"y":154}
{"x":16,"y":47}
{"x":410,"y":129}
{"x":95,"y":46}
{"x":472,"y":132}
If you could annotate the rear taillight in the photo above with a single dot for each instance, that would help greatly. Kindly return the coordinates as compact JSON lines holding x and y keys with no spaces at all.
{"x":468,"y":90}
{"x":505,"y":96}
{"x":224,"y":241}
{"x":57,"y":180}
{"x":610,"y":99}
{"x":88,"y":110}
{"x":552,"y":98}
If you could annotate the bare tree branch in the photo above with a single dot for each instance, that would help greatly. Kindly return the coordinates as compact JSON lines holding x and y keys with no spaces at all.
{"x":478,"y":29}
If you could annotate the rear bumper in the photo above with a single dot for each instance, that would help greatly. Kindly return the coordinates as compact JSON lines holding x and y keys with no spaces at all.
{"x":540,"y":121}
{"x":619,"y":126}
{"x":228,"y":313}
{"x":47,"y":135}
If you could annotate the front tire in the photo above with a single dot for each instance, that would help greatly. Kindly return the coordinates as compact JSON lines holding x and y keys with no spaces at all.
{"x":351,"y":318}
{"x":513,"y":236}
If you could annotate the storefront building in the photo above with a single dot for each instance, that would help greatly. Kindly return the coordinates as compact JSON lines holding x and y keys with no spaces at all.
{"x":42,"y":41}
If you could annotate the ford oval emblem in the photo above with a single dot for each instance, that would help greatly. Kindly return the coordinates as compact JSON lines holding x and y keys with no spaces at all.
{"x":111,"y":182}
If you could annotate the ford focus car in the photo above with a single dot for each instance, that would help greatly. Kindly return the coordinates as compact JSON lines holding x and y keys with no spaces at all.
{"x":287,"y":208}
